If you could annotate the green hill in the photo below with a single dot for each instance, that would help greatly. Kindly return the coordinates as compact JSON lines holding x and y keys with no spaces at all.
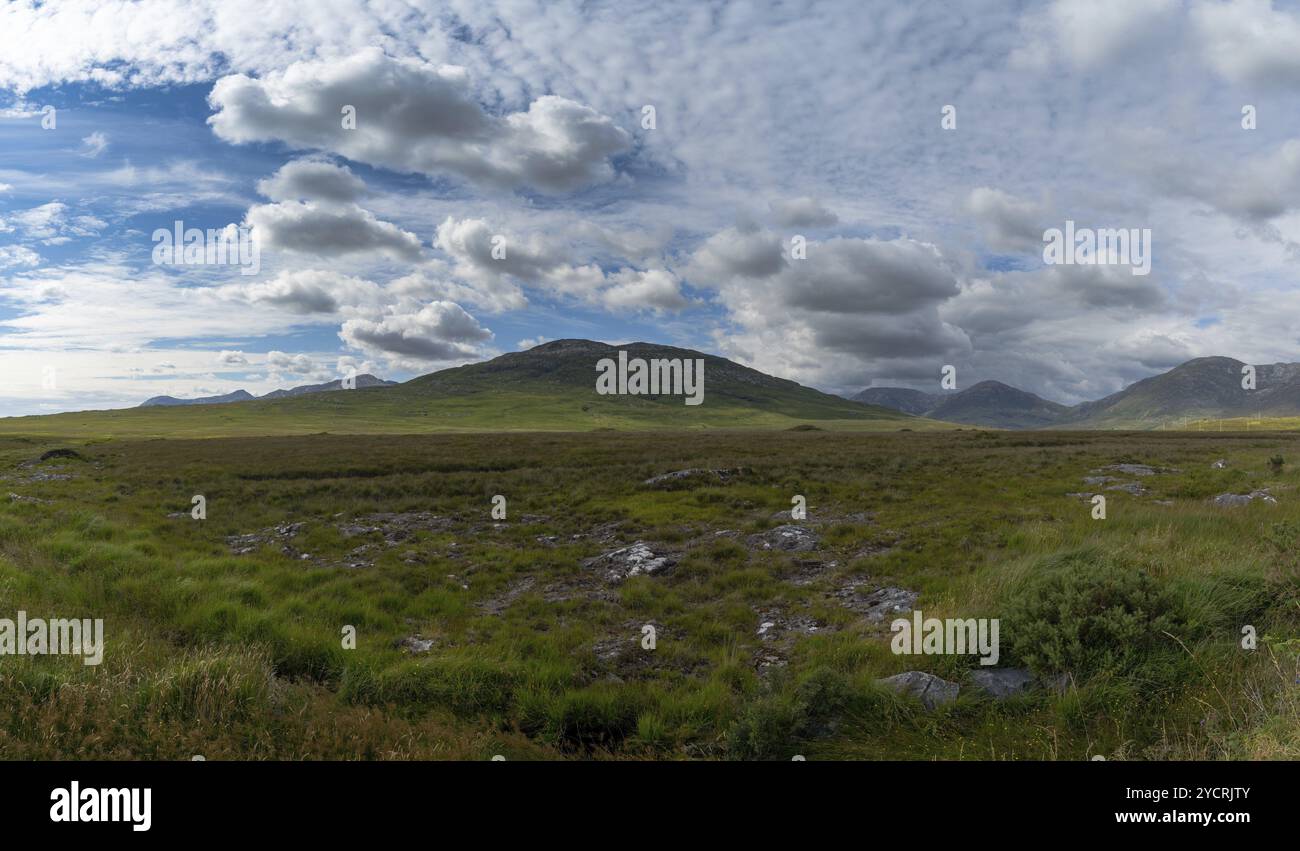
{"x":548,"y":388}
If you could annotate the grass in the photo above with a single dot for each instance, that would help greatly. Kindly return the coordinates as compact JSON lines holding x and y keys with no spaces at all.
{"x":534,"y":655}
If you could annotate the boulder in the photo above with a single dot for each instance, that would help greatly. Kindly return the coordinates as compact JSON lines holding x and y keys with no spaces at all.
{"x":1236,"y":500}
{"x":932,"y":691}
{"x":1001,"y":683}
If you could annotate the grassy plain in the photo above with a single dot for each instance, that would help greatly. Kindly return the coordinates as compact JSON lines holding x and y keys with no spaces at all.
{"x":476,"y":637}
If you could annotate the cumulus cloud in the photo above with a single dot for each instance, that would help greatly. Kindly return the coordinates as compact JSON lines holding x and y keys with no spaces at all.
{"x":329,"y":230}
{"x":52,"y":224}
{"x":229,"y":358}
{"x":12,"y":256}
{"x":802,"y":212}
{"x":499,"y":266}
{"x":1089,"y":33}
{"x":295,"y":364}
{"x":743,"y":252}
{"x":438,"y":331}
{"x":1250,"y":41}
{"x":653,"y":289}
{"x":313,"y":180}
{"x":1008,"y":223}
{"x":306,"y":291}
{"x":415,"y":117}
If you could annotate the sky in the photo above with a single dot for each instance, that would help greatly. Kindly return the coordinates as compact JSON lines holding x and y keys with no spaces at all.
{"x":845,"y":193}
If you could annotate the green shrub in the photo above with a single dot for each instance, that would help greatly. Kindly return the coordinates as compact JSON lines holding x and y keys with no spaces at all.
{"x":1088,"y":614}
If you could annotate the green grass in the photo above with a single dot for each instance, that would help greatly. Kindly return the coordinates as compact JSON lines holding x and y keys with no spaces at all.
{"x":533,"y":656}
{"x":381,"y":411}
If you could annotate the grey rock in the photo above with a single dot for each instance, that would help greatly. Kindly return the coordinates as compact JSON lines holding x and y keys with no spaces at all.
{"x":1220,"y":464}
{"x":1236,"y":500}
{"x":635,"y":560}
{"x":932,"y":691}
{"x":1001,"y":683}
{"x":788,"y":538}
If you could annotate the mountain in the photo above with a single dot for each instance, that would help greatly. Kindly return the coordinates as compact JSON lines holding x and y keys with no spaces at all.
{"x":989,"y":403}
{"x":363,"y":381}
{"x":1204,"y":388}
{"x":551,"y":387}
{"x":1200,"y":389}
{"x":900,"y":399}
{"x":993,"y":403}
{"x":171,"y":401}
{"x":366,"y":380}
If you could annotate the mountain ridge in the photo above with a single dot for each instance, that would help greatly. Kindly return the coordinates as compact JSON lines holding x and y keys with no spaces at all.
{"x":1199,"y":389}
{"x":241,"y":395}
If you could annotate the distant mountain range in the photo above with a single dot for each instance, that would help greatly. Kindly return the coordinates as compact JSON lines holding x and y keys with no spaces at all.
{"x":551,"y":387}
{"x":1204,"y":388}
{"x":363,"y":381}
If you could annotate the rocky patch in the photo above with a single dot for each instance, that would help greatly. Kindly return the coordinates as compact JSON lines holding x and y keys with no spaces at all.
{"x":636,"y":560}
{"x":414,"y":644}
{"x":691,"y":477}
{"x":789,"y":538}
{"x":875,"y":605}
{"x":253,"y":541}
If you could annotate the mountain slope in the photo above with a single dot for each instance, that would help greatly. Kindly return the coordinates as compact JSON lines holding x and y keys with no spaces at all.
{"x":172,"y":401}
{"x":900,"y":399}
{"x":550,"y":387}
{"x":988,"y":403}
{"x":363,"y":381}
{"x":1204,"y":388}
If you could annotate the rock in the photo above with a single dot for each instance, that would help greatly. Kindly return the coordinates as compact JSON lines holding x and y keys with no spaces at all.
{"x":415,"y":644}
{"x":788,"y":538}
{"x":682,"y":477}
{"x":1220,"y":464}
{"x":1235,"y":500}
{"x":876,"y":605}
{"x":635,"y":560}
{"x":1001,"y":683}
{"x":932,"y":691}
{"x":15,"y":497}
{"x":1128,"y":487}
{"x":1137,"y":469}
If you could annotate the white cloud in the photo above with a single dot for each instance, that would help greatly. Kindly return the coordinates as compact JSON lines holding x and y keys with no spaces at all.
{"x":415,"y":117}
{"x":94,"y":144}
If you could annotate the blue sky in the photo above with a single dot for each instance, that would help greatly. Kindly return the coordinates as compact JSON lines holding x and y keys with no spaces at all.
{"x":523,"y":124}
